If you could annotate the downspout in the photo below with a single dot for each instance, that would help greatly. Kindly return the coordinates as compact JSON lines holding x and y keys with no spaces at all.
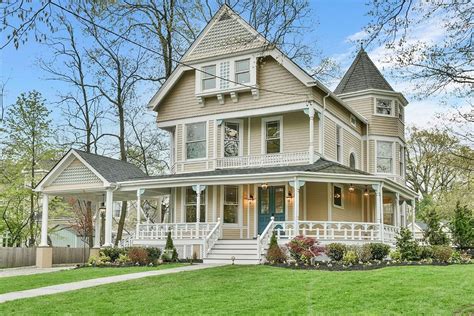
{"x":322,"y":124}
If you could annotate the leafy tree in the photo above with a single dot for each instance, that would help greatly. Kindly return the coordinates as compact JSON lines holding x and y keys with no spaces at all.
{"x":462,"y":227}
{"x":434,"y":234}
{"x":29,"y":147}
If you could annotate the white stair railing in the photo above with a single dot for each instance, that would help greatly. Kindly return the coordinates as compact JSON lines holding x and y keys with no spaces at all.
{"x":263,"y":239}
{"x":211,"y":238}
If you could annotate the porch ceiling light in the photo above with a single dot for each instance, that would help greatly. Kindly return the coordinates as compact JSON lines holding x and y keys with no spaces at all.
{"x":351,"y":188}
{"x":251,"y":198}
{"x":265,"y":186}
{"x":289,"y":196}
{"x":366,"y":192}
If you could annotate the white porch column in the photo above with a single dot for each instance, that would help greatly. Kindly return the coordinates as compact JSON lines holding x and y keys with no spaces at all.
{"x":413,"y":208}
{"x":109,"y":204}
{"x":398,"y":218}
{"x":404,"y":210}
{"x":139,"y":209}
{"x":296,"y":184}
{"x":198,"y":189}
{"x":44,"y":222}
{"x":379,"y":208}
{"x":310,"y":112}
{"x":97,"y":227}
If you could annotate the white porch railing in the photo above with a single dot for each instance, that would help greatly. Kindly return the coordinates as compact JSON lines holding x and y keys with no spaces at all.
{"x":264,"y":238}
{"x":178,"y":230}
{"x":334,"y":231}
{"x":127,"y":241}
{"x":280,"y":159}
{"x":212,"y":237}
{"x":389,"y":233}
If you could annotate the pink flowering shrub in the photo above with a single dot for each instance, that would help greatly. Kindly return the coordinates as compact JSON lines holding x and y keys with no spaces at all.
{"x":303,"y":249}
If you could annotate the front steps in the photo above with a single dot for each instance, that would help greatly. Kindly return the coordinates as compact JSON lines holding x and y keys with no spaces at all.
{"x":244,"y":251}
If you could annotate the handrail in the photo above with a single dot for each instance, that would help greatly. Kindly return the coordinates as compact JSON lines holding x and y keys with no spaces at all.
{"x":208,"y":246}
{"x":264,"y":236}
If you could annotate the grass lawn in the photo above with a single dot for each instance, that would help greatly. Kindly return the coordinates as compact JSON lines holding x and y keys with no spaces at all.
{"x":26,"y":282}
{"x":269,"y":290}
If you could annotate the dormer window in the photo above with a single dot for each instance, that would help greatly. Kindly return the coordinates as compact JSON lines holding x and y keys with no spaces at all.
{"x":242,"y":71}
{"x":384,"y":107}
{"x":209,"y":77}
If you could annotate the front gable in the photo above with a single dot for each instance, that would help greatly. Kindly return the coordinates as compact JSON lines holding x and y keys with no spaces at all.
{"x":76,"y":173}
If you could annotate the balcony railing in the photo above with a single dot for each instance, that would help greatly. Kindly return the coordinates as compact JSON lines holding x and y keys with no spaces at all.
{"x":264,"y":160}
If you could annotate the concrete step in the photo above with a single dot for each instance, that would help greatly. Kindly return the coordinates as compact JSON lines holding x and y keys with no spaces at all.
{"x":230,"y":255}
{"x":227,"y":261}
{"x":233,"y":251}
{"x":235,"y":247}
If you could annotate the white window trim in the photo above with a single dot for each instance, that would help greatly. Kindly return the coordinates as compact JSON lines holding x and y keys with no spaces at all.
{"x":393,"y":101}
{"x":241,"y":136}
{"x":341,"y":147}
{"x":356,"y":159}
{"x":204,"y":197}
{"x":264,"y":132}
{"x":342,"y":196}
{"x":185,"y":141}
{"x":401,"y":163}
{"x":241,"y":72}
{"x":202,"y":74}
{"x":394,"y":172}
{"x":352,"y":117}
{"x":239,"y":208}
{"x":400,"y":107}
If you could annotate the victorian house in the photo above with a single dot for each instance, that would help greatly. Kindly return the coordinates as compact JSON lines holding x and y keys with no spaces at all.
{"x":258,"y":146}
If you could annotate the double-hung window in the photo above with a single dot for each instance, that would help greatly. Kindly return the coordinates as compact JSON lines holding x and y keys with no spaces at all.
{"x":384,"y":157}
{"x":242,"y":71}
{"x":231,"y":204}
{"x":209,"y":77}
{"x":339,"y":143}
{"x":196,"y":140}
{"x":384,"y":107}
{"x":191,"y":202}
{"x":231,"y":139}
{"x":402,"y":161}
{"x":400,"y":112}
{"x":273,"y":137}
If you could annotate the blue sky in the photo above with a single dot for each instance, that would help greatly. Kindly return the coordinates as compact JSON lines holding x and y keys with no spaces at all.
{"x":336,"y":22}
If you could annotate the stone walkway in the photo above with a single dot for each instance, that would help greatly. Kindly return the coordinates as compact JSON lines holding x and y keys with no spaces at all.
{"x":61,"y":288}
{"x":30,"y":270}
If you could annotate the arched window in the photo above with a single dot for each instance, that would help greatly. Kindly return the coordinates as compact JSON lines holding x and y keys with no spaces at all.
{"x":352,"y":161}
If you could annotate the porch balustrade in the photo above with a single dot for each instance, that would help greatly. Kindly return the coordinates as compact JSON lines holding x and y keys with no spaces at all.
{"x":279,"y":159}
{"x":178,"y":230}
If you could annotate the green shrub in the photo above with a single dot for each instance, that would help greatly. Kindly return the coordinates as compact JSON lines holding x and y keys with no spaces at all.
{"x":100,"y":261}
{"x":153,"y":254}
{"x":442,"y":253}
{"x":407,"y":245}
{"x":123,"y":259}
{"x":462,"y":227}
{"x":113,"y":253}
{"x":379,"y":250}
{"x":169,"y":241}
{"x":350,"y":257}
{"x":364,"y":253}
{"x":460,"y":257}
{"x":395,"y":255}
{"x":138,"y":255}
{"x":169,"y":253}
{"x":336,"y":251}
{"x":274,"y":252}
{"x":425,"y":252}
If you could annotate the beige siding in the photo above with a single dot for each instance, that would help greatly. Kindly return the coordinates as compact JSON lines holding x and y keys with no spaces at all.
{"x":181,"y":101}
{"x":352,"y":207}
{"x":351,"y":144}
{"x":317,"y":205}
{"x":330,"y":139}
{"x":343,"y":114}
{"x":295,"y":132}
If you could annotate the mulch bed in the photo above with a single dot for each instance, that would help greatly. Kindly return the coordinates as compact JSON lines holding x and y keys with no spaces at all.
{"x":334,"y":266}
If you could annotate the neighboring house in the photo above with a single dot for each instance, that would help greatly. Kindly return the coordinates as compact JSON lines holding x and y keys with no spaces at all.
{"x":418,"y":229}
{"x":63,"y":235}
{"x":258,"y":145}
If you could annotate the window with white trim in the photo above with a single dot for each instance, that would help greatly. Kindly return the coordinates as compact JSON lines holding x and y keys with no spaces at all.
{"x":402,"y":161}
{"x":337,"y":200}
{"x":272,"y":137}
{"x":400,"y":111}
{"x":196,"y":140}
{"x":353,"y":120}
{"x":231,"y":204}
{"x":352,"y":161}
{"x":384,"y":107}
{"x":209,"y":77}
{"x":190,"y":205}
{"x":242,"y":71}
{"x":384,"y":157}
{"x":339,"y":143}
{"x":232,"y":142}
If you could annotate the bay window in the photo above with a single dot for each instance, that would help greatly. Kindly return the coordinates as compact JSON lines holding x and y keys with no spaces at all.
{"x":231,"y":204}
{"x":209,"y":77}
{"x":384,"y":156}
{"x":190,"y":204}
{"x":196,"y":140}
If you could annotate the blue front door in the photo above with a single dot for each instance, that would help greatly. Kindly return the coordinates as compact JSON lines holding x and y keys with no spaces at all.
{"x":271,"y":202}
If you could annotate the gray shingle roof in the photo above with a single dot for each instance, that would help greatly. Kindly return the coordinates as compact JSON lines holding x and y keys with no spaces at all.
{"x":362,"y":75}
{"x":113,"y":170}
{"x":322,"y":165}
